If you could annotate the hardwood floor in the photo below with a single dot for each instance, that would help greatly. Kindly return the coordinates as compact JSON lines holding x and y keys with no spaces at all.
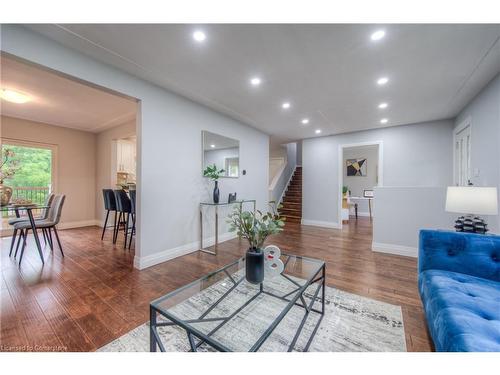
{"x":94,"y":295}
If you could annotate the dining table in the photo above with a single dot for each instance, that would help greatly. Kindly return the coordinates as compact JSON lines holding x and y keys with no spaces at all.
{"x":28,"y":208}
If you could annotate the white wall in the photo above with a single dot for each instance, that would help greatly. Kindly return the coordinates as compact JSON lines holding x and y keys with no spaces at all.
{"x":170,"y":129}
{"x":400,"y":213}
{"x":484,"y":113}
{"x":357,"y":184}
{"x":414,"y":155}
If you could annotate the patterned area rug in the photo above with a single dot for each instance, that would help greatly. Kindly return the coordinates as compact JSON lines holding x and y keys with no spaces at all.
{"x":351,"y":323}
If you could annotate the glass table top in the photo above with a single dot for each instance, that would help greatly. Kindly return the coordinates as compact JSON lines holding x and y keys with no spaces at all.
{"x":227,"y":203}
{"x":14,"y":207}
{"x":222,"y":307}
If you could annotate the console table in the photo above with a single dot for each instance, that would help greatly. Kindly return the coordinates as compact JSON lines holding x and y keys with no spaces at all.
{"x":216,"y":210}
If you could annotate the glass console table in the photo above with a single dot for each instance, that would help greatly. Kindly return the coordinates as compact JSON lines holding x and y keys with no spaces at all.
{"x":216,"y":210}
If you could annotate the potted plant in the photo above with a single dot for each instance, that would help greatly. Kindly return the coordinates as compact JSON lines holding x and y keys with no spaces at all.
{"x":8,"y":168}
{"x":256,"y":227}
{"x":214,"y":174}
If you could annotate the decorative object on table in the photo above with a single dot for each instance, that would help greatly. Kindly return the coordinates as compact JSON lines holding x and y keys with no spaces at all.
{"x":8,"y":168}
{"x":345,"y":190}
{"x":231,"y":198}
{"x":20,"y":202}
{"x":256,"y":227}
{"x":273,"y":266}
{"x":368,"y":193}
{"x":214,"y":174}
{"x":472,"y":201}
{"x":356,"y":167}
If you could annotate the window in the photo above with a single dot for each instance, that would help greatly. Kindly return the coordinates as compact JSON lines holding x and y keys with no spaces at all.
{"x":462,"y":151}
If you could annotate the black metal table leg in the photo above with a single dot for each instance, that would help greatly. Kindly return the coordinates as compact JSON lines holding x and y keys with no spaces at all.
{"x":35,"y":234}
{"x":152,"y":327}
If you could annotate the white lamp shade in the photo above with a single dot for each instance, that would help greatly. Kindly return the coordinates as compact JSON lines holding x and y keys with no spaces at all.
{"x":472,"y":200}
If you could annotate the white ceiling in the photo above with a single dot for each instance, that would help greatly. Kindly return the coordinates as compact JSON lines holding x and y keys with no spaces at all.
{"x":60,"y":101}
{"x":327,"y":72}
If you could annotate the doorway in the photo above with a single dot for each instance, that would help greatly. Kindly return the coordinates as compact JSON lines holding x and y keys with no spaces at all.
{"x":360,"y":172}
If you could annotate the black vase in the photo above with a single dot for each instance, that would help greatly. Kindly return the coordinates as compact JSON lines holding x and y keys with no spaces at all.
{"x":216,"y":192}
{"x":254,"y":266}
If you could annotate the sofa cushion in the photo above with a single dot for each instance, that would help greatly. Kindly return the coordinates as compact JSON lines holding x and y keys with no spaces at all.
{"x":462,"y":311}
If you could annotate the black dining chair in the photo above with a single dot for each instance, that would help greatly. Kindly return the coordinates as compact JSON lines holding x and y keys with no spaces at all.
{"x":124,"y":208}
{"x":109,"y":205}
{"x":132,"y":213}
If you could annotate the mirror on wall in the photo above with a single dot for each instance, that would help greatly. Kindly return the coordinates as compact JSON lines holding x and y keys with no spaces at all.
{"x":222,"y":151}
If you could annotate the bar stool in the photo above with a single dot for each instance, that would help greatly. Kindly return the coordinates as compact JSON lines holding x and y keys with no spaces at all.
{"x":132,"y":213}
{"x":123,"y":207}
{"x":109,"y":205}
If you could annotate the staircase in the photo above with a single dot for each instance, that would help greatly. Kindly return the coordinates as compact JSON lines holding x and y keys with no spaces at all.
{"x":292,"y":199}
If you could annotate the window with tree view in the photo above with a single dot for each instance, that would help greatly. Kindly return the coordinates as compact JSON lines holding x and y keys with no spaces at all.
{"x":30,"y":172}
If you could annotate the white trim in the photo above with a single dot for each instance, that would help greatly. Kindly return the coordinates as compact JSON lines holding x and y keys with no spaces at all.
{"x":406,"y":251}
{"x":79,"y":224}
{"x":169,"y":254}
{"x":341,"y":169}
{"x":323,"y":224}
{"x":362,"y":214}
{"x":286,"y":186}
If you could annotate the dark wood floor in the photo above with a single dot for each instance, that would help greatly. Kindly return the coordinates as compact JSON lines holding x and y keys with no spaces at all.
{"x":94,"y":295}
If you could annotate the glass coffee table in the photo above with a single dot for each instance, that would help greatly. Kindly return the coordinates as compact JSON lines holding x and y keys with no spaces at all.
{"x":222,"y":311}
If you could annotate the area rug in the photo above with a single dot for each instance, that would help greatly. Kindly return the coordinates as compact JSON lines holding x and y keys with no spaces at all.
{"x":351,"y":323}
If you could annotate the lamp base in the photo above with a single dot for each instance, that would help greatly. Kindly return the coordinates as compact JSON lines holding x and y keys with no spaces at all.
{"x":471,"y":224}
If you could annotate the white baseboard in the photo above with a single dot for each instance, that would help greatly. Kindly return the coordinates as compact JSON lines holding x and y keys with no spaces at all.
{"x":323,"y":224}
{"x":407,"y":251}
{"x":78,"y":224}
{"x":165,"y":255}
{"x":362,"y":214}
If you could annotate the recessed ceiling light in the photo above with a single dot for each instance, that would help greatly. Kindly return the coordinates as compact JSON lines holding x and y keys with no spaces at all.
{"x":213,"y":146}
{"x":255,"y":81}
{"x":199,"y":36}
{"x":384,"y":121}
{"x":305,"y":121}
{"x":377,"y":35}
{"x":14,"y":96}
{"x":317,"y":131}
{"x":382,"y":105}
{"x":382,"y":80}
{"x":285,"y":105}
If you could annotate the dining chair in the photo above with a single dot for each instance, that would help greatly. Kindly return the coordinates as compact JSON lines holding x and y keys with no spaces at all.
{"x":132,"y":213}
{"x":49,"y":224}
{"x":43,"y":216}
{"x":109,"y":205}
{"x":123,"y":207}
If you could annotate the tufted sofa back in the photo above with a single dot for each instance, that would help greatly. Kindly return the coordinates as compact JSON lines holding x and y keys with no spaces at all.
{"x":472,"y":254}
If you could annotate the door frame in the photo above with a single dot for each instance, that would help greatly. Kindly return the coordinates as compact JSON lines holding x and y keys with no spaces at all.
{"x":380,"y":145}
{"x":467,"y":122}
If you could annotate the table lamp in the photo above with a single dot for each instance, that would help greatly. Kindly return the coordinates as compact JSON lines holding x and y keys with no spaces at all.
{"x":471,"y":201}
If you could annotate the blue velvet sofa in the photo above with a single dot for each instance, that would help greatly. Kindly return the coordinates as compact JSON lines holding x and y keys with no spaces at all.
{"x":459,"y":283}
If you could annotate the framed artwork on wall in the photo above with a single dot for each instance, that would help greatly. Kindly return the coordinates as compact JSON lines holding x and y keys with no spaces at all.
{"x":356,"y":167}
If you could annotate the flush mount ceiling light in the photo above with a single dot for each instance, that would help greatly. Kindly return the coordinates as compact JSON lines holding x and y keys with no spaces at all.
{"x":213,"y":146}
{"x":255,"y":81}
{"x":317,"y":131}
{"x":199,"y":36}
{"x":14,"y":96}
{"x":305,"y":121}
{"x":382,"y":81}
{"x":285,"y":105}
{"x":377,"y":35}
{"x":382,"y":105}
{"x":384,"y":121}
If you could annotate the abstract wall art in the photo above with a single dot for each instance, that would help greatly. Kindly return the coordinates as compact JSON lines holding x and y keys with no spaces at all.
{"x":356,"y":167}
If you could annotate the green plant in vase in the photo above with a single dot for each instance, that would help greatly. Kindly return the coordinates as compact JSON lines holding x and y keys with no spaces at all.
{"x":214,"y":174}
{"x":255,"y":227}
